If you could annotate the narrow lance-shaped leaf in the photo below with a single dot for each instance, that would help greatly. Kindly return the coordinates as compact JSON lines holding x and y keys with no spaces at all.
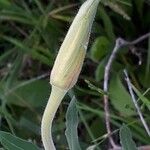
{"x":11,"y":142}
{"x":126,"y":139}
{"x":72,"y":125}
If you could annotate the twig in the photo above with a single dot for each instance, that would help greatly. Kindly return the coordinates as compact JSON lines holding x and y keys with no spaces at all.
{"x":135,"y":103}
{"x":141,"y":38}
{"x":105,"y":88}
{"x":119,"y":43}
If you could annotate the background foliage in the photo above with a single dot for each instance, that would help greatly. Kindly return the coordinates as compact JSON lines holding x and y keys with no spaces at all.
{"x":31,"y":32}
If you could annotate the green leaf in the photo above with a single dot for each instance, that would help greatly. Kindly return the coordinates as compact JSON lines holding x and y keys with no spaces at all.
{"x":36,"y":53}
{"x":15,"y":70}
{"x":100,"y":48}
{"x":120,"y":98}
{"x":148,"y":64}
{"x":4,"y":3}
{"x":5,"y":56}
{"x":40,"y":7}
{"x":30,"y":125}
{"x":126,"y":139}
{"x":108,"y":26}
{"x":139,"y":5}
{"x":11,"y":142}
{"x":17,"y":43}
{"x":95,"y":88}
{"x":31,"y":93}
{"x":141,"y":97}
{"x":118,"y":9}
{"x":71,"y":126}
{"x":16,"y":15}
{"x":99,"y":74}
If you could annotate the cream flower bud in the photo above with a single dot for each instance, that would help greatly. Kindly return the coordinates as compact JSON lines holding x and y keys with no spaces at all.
{"x":67,"y":66}
{"x":71,"y":55}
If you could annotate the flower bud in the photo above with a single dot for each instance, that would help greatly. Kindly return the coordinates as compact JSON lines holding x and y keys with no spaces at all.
{"x":72,"y":52}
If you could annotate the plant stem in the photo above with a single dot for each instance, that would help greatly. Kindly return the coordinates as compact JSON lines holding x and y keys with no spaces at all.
{"x":54,"y":101}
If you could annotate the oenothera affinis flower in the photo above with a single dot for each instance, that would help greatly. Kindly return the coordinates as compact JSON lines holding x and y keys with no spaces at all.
{"x":68,"y":65}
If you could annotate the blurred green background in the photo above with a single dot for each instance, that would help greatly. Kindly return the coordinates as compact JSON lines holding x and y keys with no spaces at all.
{"x":31,"y":32}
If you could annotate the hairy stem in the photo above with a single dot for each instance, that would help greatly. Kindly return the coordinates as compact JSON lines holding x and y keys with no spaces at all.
{"x":54,"y":101}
